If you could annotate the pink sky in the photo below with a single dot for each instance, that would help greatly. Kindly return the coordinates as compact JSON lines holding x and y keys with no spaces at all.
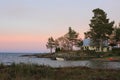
{"x":22,"y":43}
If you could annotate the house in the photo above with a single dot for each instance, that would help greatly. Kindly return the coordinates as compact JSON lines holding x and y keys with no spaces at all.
{"x":88,"y":44}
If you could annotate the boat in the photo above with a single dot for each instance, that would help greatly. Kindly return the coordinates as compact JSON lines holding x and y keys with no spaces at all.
{"x":60,"y":59}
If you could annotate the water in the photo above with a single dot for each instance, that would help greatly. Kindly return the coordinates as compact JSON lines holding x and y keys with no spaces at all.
{"x":8,"y":58}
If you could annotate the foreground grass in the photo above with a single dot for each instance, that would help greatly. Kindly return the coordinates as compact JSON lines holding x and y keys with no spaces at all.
{"x":35,"y":72}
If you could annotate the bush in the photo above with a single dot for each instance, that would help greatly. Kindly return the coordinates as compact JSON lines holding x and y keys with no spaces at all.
{"x":116,"y":51}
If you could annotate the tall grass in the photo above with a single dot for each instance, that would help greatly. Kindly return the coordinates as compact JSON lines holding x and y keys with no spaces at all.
{"x":35,"y":72}
{"x":24,"y":72}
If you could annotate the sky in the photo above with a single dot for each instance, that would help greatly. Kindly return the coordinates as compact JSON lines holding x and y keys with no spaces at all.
{"x":25,"y":25}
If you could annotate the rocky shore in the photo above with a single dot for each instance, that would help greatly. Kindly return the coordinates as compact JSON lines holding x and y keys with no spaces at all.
{"x":76,"y":55}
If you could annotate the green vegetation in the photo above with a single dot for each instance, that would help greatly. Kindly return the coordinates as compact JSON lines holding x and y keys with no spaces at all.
{"x":25,"y":72}
{"x":82,"y":55}
{"x":51,"y":44}
{"x":64,"y":43}
{"x":116,"y":52}
{"x":117,"y":29}
{"x":100,"y":27}
{"x":35,"y":72}
{"x":72,"y":37}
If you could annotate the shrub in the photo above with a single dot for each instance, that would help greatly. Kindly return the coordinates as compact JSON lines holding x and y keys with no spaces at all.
{"x":116,"y":51}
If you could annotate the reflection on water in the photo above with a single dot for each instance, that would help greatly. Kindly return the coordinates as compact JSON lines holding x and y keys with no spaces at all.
{"x":8,"y":58}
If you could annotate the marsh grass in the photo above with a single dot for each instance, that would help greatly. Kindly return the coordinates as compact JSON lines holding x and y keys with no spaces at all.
{"x":37,"y":72}
{"x":24,"y":72}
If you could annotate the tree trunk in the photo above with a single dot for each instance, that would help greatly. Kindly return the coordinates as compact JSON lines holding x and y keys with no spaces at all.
{"x":71,"y":46}
{"x":51,"y":50}
{"x":101,"y":45}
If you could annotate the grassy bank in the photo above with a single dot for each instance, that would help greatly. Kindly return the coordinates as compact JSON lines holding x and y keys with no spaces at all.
{"x":35,"y":72}
{"x":81,"y":55}
{"x":68,"y":55}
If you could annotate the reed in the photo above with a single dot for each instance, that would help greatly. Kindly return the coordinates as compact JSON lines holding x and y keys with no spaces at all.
{"x":42,"y":72}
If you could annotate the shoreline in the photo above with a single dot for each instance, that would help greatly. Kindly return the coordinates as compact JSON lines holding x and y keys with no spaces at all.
{"x":72,"y":57}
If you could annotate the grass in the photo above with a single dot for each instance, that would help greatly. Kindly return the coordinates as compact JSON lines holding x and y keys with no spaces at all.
{"x":35,"y":72}
{"x":81,"y":55}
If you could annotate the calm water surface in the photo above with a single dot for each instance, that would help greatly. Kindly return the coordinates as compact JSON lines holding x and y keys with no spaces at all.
{"x":8,"y":58}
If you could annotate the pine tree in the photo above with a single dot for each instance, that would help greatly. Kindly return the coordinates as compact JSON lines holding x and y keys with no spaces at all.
{"x":100,"y":27}
{"x":117,"y":31}
{"x":51,"y":44}
{"x":72,"y":37}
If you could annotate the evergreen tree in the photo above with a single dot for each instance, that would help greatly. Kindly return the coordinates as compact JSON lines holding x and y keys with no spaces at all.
{"x":72,"y":37}
{"x":117,"y":33}
{"x":51,"y":44}
{"x":100,"y":27}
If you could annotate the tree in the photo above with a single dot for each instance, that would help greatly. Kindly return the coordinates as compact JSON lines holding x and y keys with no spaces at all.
{"x":100,"y":27}
{"x":51,"y":44}
{"x":79,"y":43}
{"x":72,"y":37}
{"x":117,"y":33}
{"x":63,"y":43}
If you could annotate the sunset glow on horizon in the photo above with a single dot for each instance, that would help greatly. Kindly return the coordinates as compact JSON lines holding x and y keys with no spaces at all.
{"x":25,"y":25}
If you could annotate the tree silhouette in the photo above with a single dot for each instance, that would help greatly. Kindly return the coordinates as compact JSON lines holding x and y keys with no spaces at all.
{"x":51,"y":44}
{"x":100,"y":27}
{"x":72,"y":37}
{"x":117,"y":33}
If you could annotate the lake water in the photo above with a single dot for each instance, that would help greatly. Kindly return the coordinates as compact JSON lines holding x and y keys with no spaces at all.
{"x":8,"y":58}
